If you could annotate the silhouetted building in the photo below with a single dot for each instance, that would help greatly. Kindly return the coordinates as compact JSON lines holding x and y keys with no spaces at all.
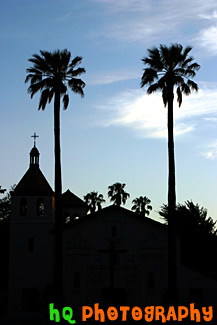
{"x":31,"y":241}
{"x":112,"y":256}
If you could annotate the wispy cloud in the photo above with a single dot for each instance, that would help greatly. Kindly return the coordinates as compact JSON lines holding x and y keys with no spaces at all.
{"x":210,"y":151}
{"x":212,"y":16}
{"x":147,"y":117}
{"x":126,"y":5}
{"x":105,"y":78}
{"x":207,"y":39}
{"x":150,"y":21}
{"x":211,"y":119}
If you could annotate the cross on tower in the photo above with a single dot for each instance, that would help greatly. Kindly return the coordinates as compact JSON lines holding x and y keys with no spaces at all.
{"x":34,"y":136}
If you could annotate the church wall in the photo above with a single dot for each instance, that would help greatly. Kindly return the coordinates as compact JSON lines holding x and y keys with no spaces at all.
{"x":146,"y":253}
{"x":31,"y":255}
{"x":141,"y":270}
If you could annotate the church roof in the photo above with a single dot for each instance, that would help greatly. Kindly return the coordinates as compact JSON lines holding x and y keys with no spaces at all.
{"x":33,"y":183}
{"x":114,"y":210}
{"x":70,"y":199}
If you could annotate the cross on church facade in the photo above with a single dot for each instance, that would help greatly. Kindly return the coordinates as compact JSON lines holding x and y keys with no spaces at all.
{"x":34,"y":136}
{"x":112,"y":252}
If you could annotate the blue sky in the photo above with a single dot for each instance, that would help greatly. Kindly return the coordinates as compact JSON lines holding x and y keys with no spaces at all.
{"x":116,"y":133}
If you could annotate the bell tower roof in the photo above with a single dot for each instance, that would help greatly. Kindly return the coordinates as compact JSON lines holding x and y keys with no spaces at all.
{"x":33,"y":182}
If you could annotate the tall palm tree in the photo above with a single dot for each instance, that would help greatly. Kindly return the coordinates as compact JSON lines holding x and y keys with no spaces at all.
{"x":94,"y":201}
{"x":117,"y":194}
{"x":51,"y":74}
{"x":142,"y":206}
{"x":168,"y":68}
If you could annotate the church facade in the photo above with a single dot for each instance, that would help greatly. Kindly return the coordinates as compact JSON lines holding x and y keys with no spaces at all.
{"x":111,"y":256}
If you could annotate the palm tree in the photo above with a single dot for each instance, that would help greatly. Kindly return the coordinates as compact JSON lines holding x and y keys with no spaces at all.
{"x":94,"y":201}
{"x":51,"y":74}
{"x":142,"y":206}
{"x":117,"y":194}
{"x":169,"y":68}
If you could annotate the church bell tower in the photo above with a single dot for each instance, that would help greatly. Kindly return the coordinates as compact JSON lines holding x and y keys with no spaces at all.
{"x":31,"y":241}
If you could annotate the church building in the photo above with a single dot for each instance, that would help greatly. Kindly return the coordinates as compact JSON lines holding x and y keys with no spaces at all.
{"x":111,"y":250}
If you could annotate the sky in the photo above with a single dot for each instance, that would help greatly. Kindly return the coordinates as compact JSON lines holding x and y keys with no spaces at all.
{"x":116,"y":133}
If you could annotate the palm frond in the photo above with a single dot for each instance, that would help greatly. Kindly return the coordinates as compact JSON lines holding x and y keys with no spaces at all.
{"x":34,"y":88}
{"x":154,"y":59}
{"x":65,"y":57}
{"x":148,"y":76}
{"x":185,"y":52}
{"x":192,"y":85}
{"x":33,"y":78}
{"x":154,"y":87}
{"x":77,"y":85}
{"x":179,"y":96}
{"x":185,"y":88}
{"x":65,"y":101}
{"x":77,"y":60}
{"x":165,"y":96}
{"x":186,"y":62}
{"x":189,"y":73}
{"x":51,"y":93}
{"x":194,"y":66}
{"x":75,"y":73}
{"x":40,"y":63}
{"x":34,"y":71}
{"x":44,"y":99}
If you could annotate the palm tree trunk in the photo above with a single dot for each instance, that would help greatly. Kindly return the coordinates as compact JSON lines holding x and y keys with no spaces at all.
{"x":58,"y":268}
{"x":172,"y":254}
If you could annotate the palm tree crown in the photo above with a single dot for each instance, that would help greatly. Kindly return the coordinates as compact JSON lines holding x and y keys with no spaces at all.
{"x":54,"y":71}
{"x":117,"y":194}
{"x":142,"y":206}
{"x":169,"y":67}
{"x":94,"y":201}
